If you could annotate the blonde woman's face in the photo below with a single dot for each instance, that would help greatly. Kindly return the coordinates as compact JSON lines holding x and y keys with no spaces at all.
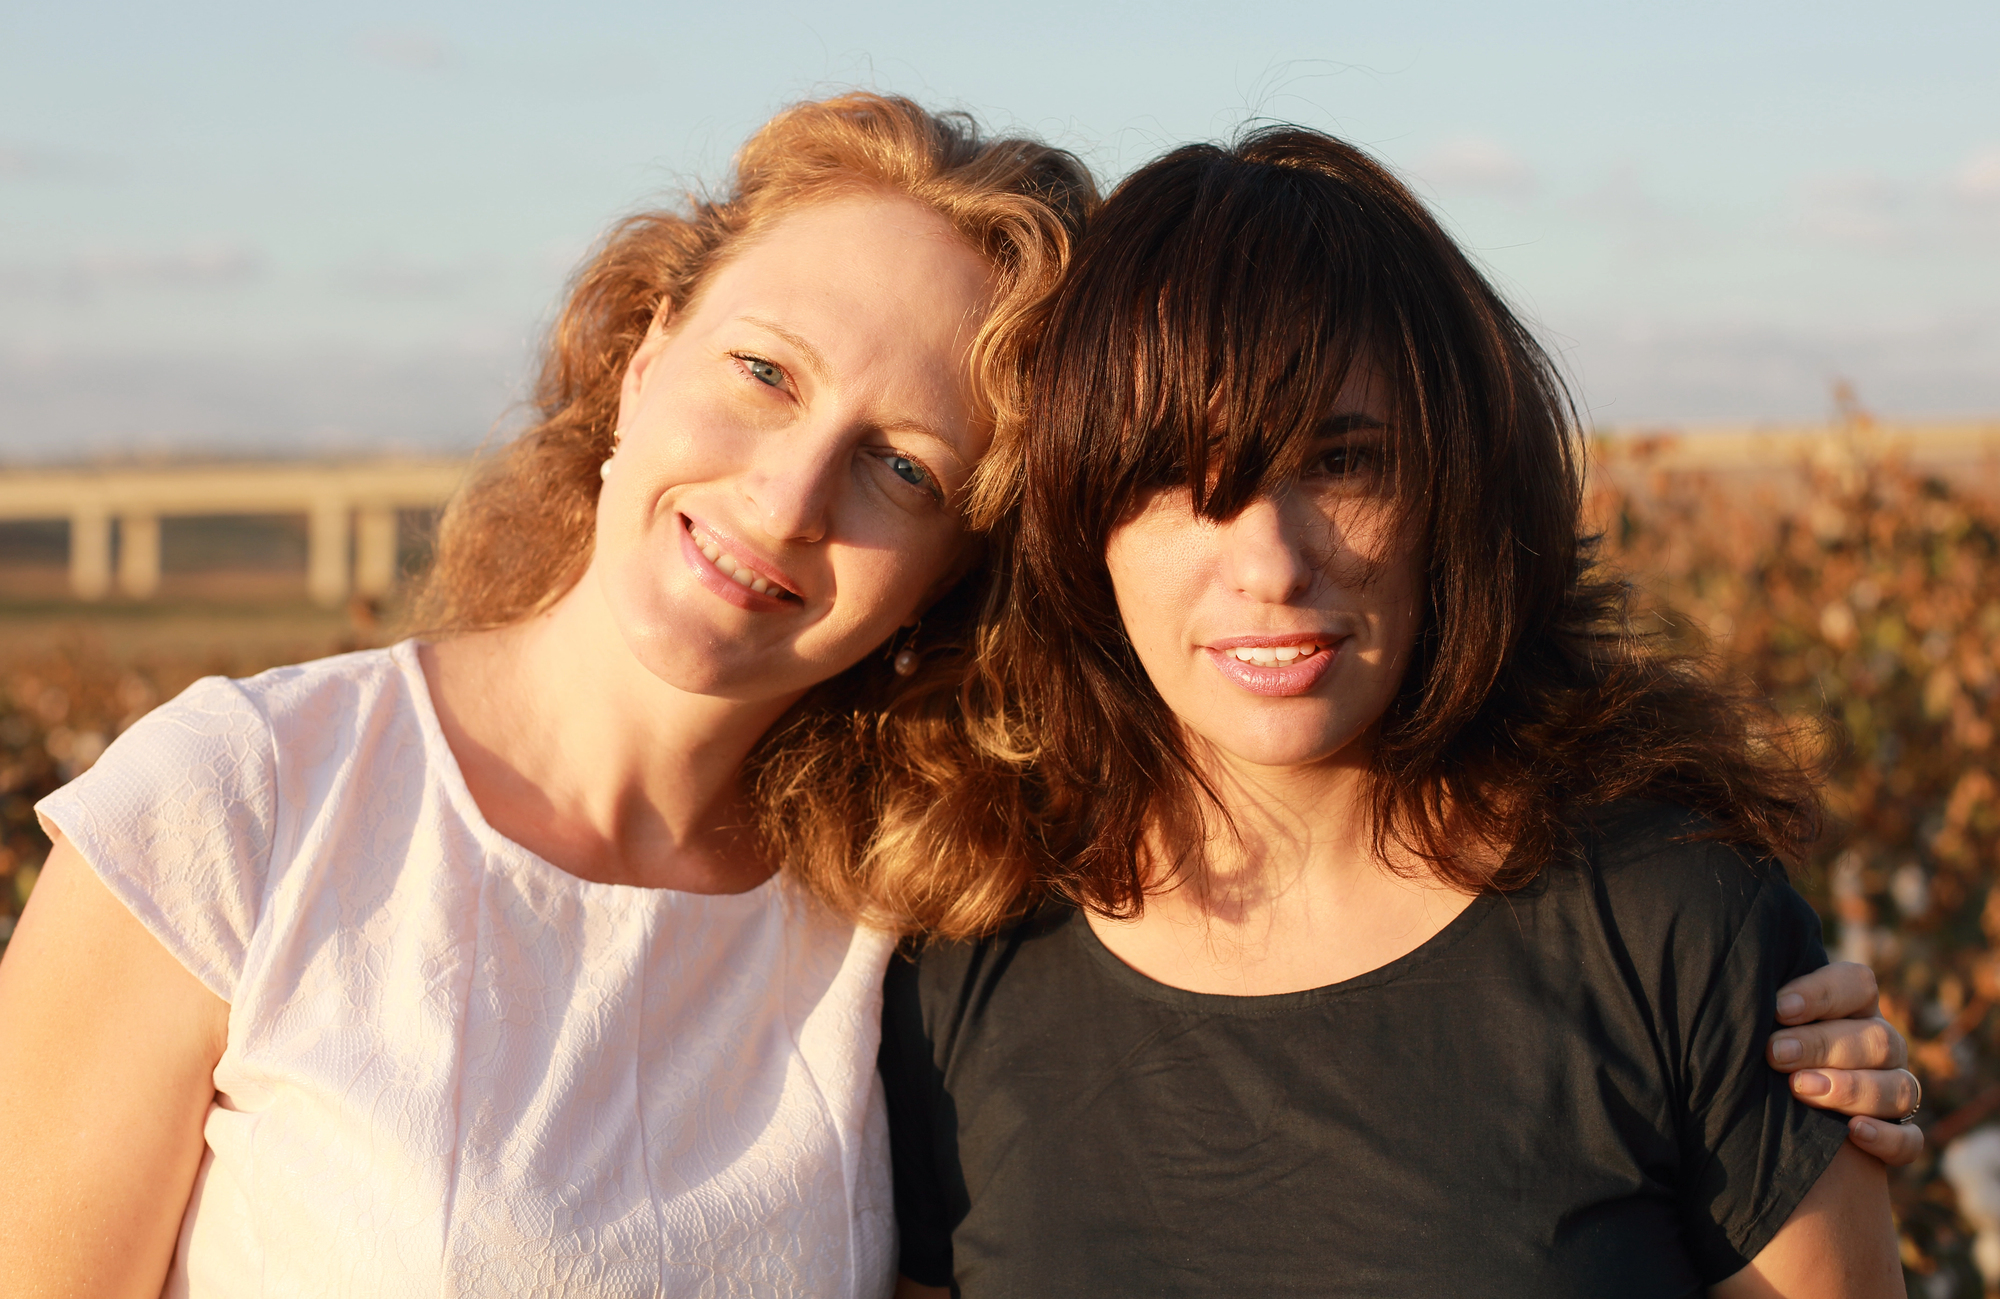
{"x":792,"y":448}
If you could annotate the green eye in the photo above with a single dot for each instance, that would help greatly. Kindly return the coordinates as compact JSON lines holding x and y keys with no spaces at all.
{"x":908,"y":470}
{"x":764,"y":372}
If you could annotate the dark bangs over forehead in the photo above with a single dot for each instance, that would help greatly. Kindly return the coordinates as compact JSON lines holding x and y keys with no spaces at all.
{"x":1224,"y":297}
{"x":1217,"y":304}
{"x":1216,"y":307}
{"x":1211,"y":332}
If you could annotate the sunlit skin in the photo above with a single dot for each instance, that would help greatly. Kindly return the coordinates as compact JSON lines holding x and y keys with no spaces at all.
{"x":811,"y":411}
{"x":1300,"y":901}
{"x":809,"y":418}
{"x":812,"y":408}
{"x":1298,"y":898}
{"x":606,"y":733}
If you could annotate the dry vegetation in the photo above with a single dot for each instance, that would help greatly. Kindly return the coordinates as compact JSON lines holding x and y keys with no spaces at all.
{"x":1865,"y":601}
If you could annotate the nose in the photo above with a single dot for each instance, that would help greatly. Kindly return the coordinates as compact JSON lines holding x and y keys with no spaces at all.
{"x":791,"y":484}
{"x":1265,"y":552}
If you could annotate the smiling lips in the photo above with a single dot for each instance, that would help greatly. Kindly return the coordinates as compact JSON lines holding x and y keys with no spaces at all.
{"x":1271,"y":667}
{"x":729,"y":576}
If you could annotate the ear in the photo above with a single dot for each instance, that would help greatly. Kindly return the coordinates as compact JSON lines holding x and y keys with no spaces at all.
{"x":643,"y":357}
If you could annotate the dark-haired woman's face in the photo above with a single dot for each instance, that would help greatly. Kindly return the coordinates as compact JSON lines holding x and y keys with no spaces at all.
{"x":1280,"y":635}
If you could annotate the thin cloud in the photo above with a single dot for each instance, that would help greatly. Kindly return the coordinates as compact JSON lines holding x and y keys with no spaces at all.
{"x":1478,"y":165}
{"x":408,"y":49}
{"x":96,"y":272}
{"x":1859,"y":209}
{"x":1644,"y":225}
{"x":386,"y":275}
{"x":26,"y":162}
{"x":1977,"y":180}
{"x":1879,"y":213}
{"x":1638,"y":370}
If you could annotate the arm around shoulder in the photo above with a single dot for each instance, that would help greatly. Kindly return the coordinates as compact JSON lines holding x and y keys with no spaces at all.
{"x":108,"y":1047}
{"x":1840,"y":1243}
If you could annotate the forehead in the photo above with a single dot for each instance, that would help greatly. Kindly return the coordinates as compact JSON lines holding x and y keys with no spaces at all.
{"x":890,"y":260}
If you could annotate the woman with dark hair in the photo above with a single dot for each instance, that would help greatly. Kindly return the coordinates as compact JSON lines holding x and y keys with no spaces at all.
{"x":523,"y":958}
{"x":1396,"y":918}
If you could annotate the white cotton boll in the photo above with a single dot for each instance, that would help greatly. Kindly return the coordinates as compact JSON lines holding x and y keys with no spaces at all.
{"x":1911,"y":887}
{"x":1972,"y":1166}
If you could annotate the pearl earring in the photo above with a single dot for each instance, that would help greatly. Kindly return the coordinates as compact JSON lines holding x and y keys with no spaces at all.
{"x":604,"y":470}
{"x":905,"y":662}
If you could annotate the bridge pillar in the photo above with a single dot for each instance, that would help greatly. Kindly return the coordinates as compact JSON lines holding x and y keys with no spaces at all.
{"x":139,"y":555}
{"x":327,"y":538}
{"x":89,"y":552}
{"x":375,"y":550}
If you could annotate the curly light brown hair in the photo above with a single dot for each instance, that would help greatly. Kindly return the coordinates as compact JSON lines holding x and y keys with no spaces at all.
{"x":843,"y":764}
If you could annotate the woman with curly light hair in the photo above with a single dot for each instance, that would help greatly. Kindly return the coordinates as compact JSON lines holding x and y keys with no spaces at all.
{"x":461,"y":966}
{"x":543,"y":954}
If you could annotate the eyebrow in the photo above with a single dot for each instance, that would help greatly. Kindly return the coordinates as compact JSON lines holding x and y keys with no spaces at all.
{"x":814,"y":361}
{"x":1337,"y":425}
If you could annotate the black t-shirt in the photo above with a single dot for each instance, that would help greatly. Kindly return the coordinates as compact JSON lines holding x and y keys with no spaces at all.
{"x":1561,"y":1093}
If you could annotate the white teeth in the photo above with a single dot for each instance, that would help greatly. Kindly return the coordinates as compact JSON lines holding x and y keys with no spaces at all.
{"x":1273,"y":656}
{"x":741,"y":574}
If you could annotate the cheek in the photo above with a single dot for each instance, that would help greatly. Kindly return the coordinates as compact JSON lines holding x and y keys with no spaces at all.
{"x":1157,"y":573}
{"x":886,"y":580}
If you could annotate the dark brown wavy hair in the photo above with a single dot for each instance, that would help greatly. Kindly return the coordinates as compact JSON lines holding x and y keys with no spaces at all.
{"x":1214,"y":309}
{"x":846,"y":767}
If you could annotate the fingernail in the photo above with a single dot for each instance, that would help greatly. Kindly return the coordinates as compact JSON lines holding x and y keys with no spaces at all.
{"x":1811,"y":1083}
{"x":1790,"y":1004}
{"x":1786,"y":1049}
{"x":1864,"y":1129}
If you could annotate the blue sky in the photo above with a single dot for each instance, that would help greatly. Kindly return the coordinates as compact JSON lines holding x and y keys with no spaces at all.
{"x":304,"y":228}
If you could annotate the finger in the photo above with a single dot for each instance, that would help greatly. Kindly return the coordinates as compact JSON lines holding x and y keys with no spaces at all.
{"x":1877,"y":1093}
{"x":1839,"y":1044}
{"x":1895,"y":1144}
{"x":1836,"y":991}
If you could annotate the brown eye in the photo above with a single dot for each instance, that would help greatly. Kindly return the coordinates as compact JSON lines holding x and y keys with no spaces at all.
{"x":1350,"y":461}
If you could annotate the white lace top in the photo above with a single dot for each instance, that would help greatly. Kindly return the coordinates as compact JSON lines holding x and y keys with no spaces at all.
{"x":453,"y":1068}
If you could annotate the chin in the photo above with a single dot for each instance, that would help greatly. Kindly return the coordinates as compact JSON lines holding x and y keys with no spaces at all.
{"x":1287,"y":746}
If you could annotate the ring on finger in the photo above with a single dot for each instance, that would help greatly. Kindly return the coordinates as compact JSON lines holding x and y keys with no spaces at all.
{"x":1918,"y":1102}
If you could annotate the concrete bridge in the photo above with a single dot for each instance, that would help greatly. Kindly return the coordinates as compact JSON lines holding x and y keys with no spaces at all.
{"x":350,"y":508}
{"x":351,"y":505}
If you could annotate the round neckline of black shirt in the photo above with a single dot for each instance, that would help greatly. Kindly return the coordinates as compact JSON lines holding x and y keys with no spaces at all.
{"x":1278,"y":1003}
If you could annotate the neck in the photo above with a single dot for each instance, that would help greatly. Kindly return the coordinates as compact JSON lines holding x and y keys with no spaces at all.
{"x":1283,"y":829}
{"x":1288,"y":893}
{"x":574,"y":750}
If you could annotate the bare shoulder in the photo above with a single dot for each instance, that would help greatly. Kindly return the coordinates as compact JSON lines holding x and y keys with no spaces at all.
{"x":1840,"y":1243}
{"x":108,"y":1048}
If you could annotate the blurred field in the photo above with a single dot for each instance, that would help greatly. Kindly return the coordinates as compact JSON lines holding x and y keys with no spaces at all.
{"x":72,"y":677}
{"x":1863,"y":596}
{"x":1865,"y":600}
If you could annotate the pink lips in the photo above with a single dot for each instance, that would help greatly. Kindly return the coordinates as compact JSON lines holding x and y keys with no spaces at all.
{"x":726,"y":587}
{"x":1280,"y":680}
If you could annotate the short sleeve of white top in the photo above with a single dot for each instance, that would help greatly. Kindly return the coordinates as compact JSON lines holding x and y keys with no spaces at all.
{"x":453,"y":1068}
